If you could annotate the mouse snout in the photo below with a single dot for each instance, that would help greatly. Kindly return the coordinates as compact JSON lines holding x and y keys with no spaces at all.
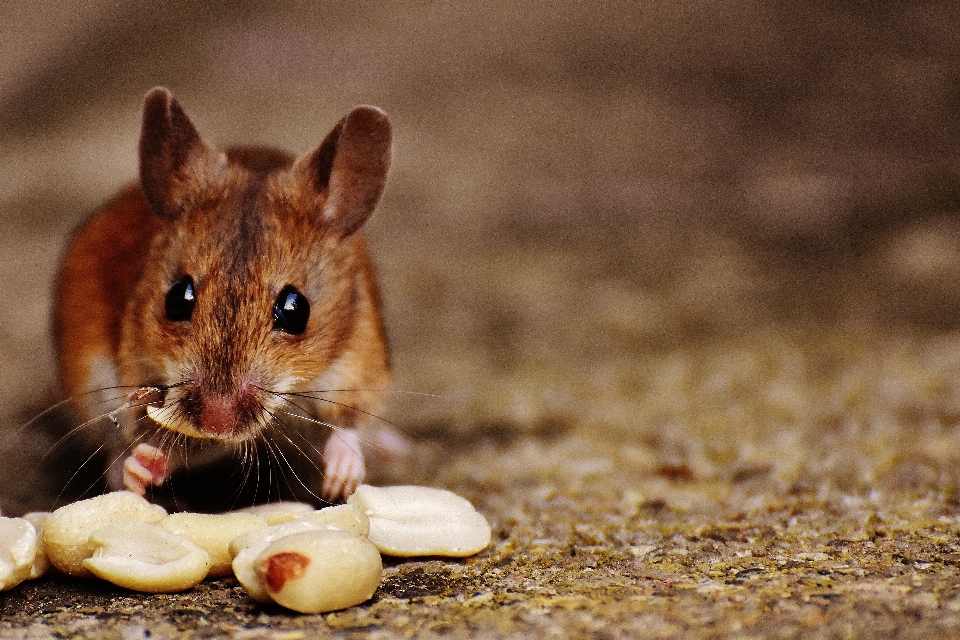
{"x":228,"y":414}
{"x":218,"y":414}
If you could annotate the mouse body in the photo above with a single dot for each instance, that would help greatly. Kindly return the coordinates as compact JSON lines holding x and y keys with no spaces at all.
{"x":227,"y":301}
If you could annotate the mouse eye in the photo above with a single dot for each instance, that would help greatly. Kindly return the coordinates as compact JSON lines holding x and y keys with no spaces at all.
{"x":291,"y":311}
{"x":180,"y":300}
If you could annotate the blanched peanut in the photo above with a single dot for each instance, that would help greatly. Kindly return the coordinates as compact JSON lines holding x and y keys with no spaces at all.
{"x":416,"y":521}
{"x":347,"y":517}
{"x":245,"y":548}
{"x":213,"y":533}
{"x":67,"y":531}
{"x":146,"y":557}
{"x":248,"y":546}
{"x":319,"y":571}
{"x":18,"y":549}
{"x":279,"y":512}
{"x":315,"y":561}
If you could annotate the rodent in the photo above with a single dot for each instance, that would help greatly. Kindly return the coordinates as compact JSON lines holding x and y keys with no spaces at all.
{"x":227,"y":289}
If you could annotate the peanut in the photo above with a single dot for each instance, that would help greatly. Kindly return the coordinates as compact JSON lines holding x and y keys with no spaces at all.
{"x":213,"y":533}
{"x":67,"y":531}
{"x":18,"y":549}
{"x":321,"y":570}
{"x":417,"y":521}
{"x":146,"y":557}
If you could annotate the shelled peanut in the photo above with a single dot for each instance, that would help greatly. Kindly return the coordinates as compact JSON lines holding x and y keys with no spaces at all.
{"x":300,"y":558}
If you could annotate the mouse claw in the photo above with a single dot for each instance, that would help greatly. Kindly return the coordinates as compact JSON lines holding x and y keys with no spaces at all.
{"x":146,"y":466}
{"x":344,"y":467}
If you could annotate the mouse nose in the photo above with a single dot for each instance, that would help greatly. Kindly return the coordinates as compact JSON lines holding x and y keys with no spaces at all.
{"x":218,"y":414}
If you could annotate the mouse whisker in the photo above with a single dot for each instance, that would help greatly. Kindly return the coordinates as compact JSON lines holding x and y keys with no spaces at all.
{"x":249,"y":468}
{"x":89,"y":459}
{"x":279,"y":426}
{"x":272,"y":463}
{"x":72,"y":432}
{"x":283,"y":462}
{"x":131,"y":404}
{"x":273,"y":466}
{"x":179,"y":444}
{"x":254,"y":467}
{"x":254,"y":452}
{"x":307,"y":395}
{"x":34,"y":420}
{"x":76,"y":472}
{"x":365,"y":441}
{"x":310,"y":393}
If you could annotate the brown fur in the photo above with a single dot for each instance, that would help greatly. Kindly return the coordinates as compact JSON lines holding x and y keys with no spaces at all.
{"x":243,"y":224}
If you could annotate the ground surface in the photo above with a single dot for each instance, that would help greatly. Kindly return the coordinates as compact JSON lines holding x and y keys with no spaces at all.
{"x":682,"y":284}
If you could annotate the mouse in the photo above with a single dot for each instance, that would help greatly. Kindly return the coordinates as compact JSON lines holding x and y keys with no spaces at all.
{"x":227,"y":300}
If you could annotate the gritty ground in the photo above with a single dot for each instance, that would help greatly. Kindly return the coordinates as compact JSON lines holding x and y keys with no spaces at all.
{"x":681,"y":286}
{"x":780,"y":489}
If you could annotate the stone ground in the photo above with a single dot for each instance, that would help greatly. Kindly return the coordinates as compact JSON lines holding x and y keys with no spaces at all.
{"x":680,"y":282}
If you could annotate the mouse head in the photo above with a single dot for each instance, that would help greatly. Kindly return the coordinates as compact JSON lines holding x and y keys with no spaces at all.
{"x":345,"y":175}
{"x":257,"y":282}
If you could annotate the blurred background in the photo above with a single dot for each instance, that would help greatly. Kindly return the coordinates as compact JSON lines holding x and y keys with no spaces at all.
{"x":577,"y":189}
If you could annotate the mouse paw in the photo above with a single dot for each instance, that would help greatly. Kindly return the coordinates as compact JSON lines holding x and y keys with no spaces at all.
{"x":343,"y":465}
{"x":146,"y":466}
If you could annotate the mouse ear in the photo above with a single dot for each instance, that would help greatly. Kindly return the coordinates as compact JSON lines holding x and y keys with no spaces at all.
{"x":174,"y":159}
{"x":349,"y":168}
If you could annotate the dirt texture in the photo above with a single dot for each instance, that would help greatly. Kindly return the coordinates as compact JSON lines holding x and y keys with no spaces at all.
{"x":679,"y":282}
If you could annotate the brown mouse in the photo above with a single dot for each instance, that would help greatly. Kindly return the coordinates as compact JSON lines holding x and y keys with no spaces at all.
{"x":231,"y":294}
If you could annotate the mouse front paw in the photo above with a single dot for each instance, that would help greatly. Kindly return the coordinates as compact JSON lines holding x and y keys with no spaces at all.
{"x":146,"y":466}
{"x":343,"y":465}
